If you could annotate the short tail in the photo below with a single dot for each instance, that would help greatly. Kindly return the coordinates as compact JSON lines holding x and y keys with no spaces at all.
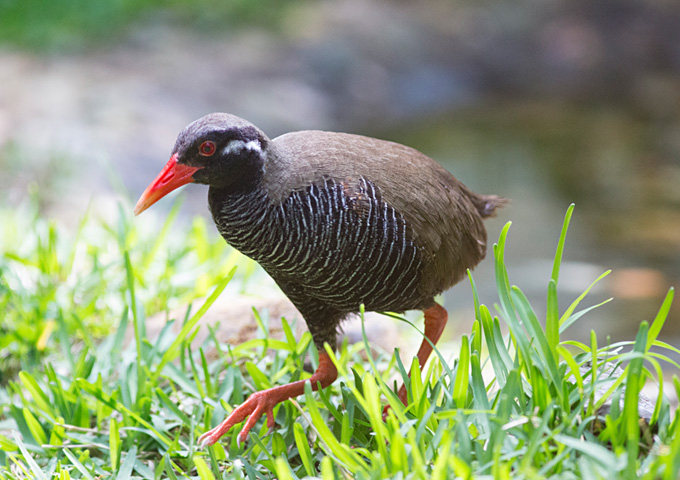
{"x":487,"y":204}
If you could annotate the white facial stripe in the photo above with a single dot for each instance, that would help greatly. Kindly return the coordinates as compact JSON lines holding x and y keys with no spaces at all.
{"x":238,"y":145}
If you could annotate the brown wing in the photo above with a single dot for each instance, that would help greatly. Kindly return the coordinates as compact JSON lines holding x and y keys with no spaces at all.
{"x":442,"y":213}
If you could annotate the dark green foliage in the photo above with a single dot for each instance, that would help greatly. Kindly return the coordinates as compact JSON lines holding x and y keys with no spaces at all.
{"x":523,"y":405}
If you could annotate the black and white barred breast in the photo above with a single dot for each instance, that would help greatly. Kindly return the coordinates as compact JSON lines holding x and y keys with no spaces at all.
{"x":335,"y":242}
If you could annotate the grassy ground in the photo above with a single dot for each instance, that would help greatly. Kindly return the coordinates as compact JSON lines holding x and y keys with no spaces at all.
{"x":79,"y":400}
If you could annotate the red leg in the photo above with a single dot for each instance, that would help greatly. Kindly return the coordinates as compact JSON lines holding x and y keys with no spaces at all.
{"x":435,"y":321}
{"x":263,"y":402}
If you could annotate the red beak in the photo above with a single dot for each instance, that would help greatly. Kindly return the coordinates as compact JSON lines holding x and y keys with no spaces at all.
{"x":173,"y":176}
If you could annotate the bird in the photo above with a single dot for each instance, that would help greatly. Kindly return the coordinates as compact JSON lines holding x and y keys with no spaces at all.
{"x":338,"y":221}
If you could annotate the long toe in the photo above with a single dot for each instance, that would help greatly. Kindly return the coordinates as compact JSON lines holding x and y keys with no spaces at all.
{"x":249,"y":408}
{"x":263,"y":402}
{"x":254,"y":417}
{"x":212,"y":436}
{"x":252,"y":409}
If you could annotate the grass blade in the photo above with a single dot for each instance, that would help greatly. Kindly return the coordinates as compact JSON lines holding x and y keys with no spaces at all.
{"x":661,"y":317}
{"x":460,"y":389}
{"x":173,"y":351}
{"x":114,"y":445}
{"x":35,"y":468}
{"x":560,"y":245}
{"x":78,"y":464}
{"x":552,"y":326}
{"x":125,"y":471}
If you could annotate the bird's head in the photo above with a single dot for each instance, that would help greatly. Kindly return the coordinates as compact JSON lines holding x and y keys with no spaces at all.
{"x":218,"y":150}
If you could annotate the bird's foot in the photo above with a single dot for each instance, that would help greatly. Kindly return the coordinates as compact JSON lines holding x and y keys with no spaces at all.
{"x":258,"y":404}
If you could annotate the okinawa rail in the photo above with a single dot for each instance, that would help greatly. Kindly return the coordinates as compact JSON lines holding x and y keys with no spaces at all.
{"x":337,"y":220}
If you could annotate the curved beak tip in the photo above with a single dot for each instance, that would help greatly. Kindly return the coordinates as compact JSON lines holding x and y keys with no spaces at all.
{"x":139,"y":208}
{"x":173,"y":176}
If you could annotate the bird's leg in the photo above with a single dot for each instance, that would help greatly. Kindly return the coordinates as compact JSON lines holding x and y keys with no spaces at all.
{"x":263,"y":402}
{"x":435,"y":321}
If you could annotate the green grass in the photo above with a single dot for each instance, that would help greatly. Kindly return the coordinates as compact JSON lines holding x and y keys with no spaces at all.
{"x":78,"y":401}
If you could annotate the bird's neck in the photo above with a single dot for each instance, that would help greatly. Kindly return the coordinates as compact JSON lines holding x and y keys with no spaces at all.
{"x":242,"y":214}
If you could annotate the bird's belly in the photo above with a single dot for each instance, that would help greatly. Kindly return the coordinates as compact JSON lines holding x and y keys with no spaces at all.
{"x":333,"y":248}
{"x":351,"y":262}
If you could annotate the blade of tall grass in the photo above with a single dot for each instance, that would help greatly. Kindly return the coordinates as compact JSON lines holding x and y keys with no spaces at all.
{"x":36,"y":471}
{"x":173,"y":351}
{"x":560,"y":245}
{"x":498,"y":354}
{"x":341,"y":453}
{"x":37,"y":431}
{"x":547,"y":357}
{"x":591,"y":450}
{"x":114,"y":445}
{"x":101,"y":396}
{"x":672,"y":457}
{"x":566,"y":322}
{"x":573,"y":367}
{"x":392,"y":397}
{"x":634,"y":383}
{"x":461,"y":382}
{"x":552,"y":327}
{"x":303,"y":449}
{"x":78,"y":464}
{"x":502,"y":280}
{"x":125,"y":471}
{"x":661,"y":317}
{"x":552,"y":312}
{"x":39,"y":396}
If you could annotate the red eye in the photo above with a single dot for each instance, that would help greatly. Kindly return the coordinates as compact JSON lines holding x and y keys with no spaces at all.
{"x":207,"y":148}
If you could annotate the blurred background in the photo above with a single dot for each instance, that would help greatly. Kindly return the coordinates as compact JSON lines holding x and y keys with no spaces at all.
{"x":545,"y":102}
